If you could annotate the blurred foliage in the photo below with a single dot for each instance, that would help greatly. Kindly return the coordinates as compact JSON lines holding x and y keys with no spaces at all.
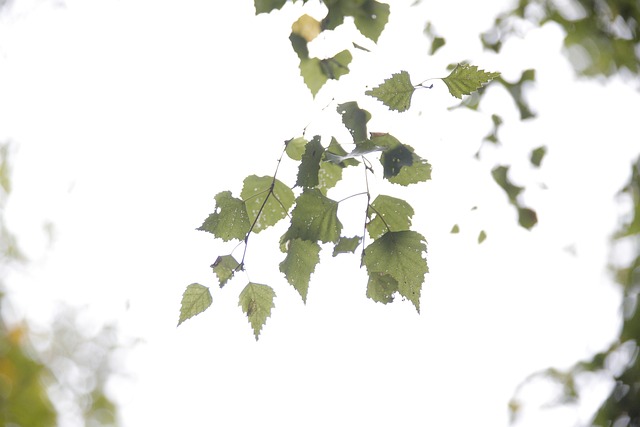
{"x":601,"y":38}
{"x":63,"y":366}
{"x":620,"y":362}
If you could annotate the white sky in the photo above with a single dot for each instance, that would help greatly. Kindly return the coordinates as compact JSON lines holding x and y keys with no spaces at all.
{"x":128,"y":117}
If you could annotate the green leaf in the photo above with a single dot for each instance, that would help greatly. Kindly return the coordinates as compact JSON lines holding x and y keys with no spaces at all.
{"x":395,"y":92}
{"x":455,"y":229}
{"x":230,"y":220}
{"x":355,"y":119}
{"x":437,"y":43}
{"x":314,"y":218}
{"x":381,"y":287}
{"x":256,"y":301}
{"x":195,"y":299}
{"x":516,"y":91}
{"x":361,"y":149}
{"x":527,"y":218}
{"x":316,"y":72}
{"x":266,"y":6}
{"x":493,"y":136}
{"x":310,"y":165}
{"x":335,"y":151}
{"x":346,"y":245}
{"x":482,"y":236}
{"x":399,"y":168}
{"x":300,"y":262}
{"x":328,"y":177}
{"x":225,"y":267}
{"x":256,"y":190}
{"x":372,"y":18}
{"x":387,"y":213}
{"x":537,"y":155}
{"x":295,"y":148}
{"x":399,"y":255}
{"x":465,"y":79}
{"x":499,"y":174}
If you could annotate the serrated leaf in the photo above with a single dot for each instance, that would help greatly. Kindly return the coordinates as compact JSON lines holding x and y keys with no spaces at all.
{"x":499,"y":174}
{"x":465,"y":79}
{"x":314,"y":218}
{"x":255,"y":190}
{"x":316,"y":72}
{"x":398,"y":167}
{"x":230,"y":220}
{"x":388,"y":213}
{"x":395,"y":92}
{"x":381,"y":287}
{"x":256,"y":301}
{"x":225,"y":267}
{"x":300,"y":262}
{"x":295,"y":148}
{"x":310,"y":164}
{"x":371,"y":19}
{"x":355,"y":119}
{"x":482,"y":236}
{"x":537,"y":155}
{"x":346,"y":245}
{"x":266,"y":6}
{"x":400,"y":256}
{"x":195,"y":299}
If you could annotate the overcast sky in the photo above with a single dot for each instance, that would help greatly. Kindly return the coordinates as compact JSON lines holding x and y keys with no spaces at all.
{"x":128,"y":117}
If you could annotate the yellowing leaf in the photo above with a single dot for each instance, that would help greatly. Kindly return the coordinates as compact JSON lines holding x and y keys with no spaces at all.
{"x":395,"y":92}
{"x":400,"y":256}
{"x":300,"y":262}
{"x":230,"y":220}
{"x":306,"y":27}
{"x":195,"y":299}
{"x":465,"y":79}
{"x":256,"y":301}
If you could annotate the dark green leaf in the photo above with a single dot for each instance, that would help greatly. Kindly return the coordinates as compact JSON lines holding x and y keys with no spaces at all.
{"x":278,"y":202}
{"x":499,"y":174}
{"x":465,"y":79}
{"x":266,"y":6}
{"x":537,"y":155}
{"x":230,"y":220}
{"x":396,"y":157}
{"x":437,"y":43}
{"x":395,"y":92}
{"x":300,"y":262}
{"x":388,"y":213}
{"x":314,"y":218}
{"x":400,"y":256}
{"x":316,"y":72}
{"x":225,"y":267}
{"x":257,"y":301}
{"x":195,"y":299}
{"x":346,"y":245}
{"x":372,"y":18}
{"x":310,"y":165}
{"x":355,"y":119}
{"x":527,"y":218}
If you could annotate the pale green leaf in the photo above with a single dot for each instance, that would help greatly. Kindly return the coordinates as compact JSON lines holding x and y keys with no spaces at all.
{"x":399,"y":255}
{"x":300,"y":262}
{"x":335,"y":149}
{"x":310,"y":164}
{"x":381,"y":287}
{"x":295,"y":148}
{"x":395,"y":92}
{"x":225,"y":267}
{"x":346,"y":245}
{"x":361,"y":149}
{"x":314,"y":218}
{"x":482,"y":236}
{"x":465,"y":79}
{"x":316,"y":72}
{"x":388,"y":213}
{"x":256,"y":190}
{"x":195,"y":299}
{"x":455,"y":229}
{"x":230,"y":220}
{"x":355,"y":119}
{"x":330,"y":174}
{"x":371,"y":19}
{"x":437,"y":43}
{"x":256,"y":301}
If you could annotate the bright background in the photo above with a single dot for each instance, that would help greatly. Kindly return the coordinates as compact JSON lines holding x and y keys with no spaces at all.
{"x":128,"y":117}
